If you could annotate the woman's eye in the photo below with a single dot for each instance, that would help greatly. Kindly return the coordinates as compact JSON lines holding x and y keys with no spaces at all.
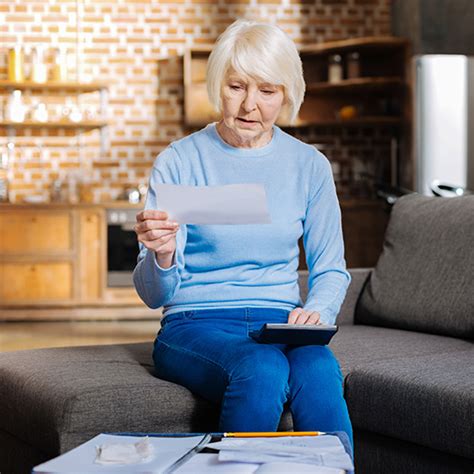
{"x":235,"y":88}
{"x":268,"y":92}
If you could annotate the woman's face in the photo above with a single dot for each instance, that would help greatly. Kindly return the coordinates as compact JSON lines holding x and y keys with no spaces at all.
{"x":250,"y":108}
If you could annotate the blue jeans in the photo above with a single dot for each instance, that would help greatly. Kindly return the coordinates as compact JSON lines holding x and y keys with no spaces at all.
{"x":211,"y":353}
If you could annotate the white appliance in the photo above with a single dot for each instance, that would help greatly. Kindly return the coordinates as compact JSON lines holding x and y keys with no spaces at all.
{"x":444,"y":124}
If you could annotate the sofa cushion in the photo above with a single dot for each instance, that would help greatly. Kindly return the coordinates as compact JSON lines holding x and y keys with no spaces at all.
{"x":55,"y":399}
{"x":58,"y":398}
{"x":427,"y":400}
{"x":359,"y":345}
{"x":403,"y":384}
{"x":424,"y":278}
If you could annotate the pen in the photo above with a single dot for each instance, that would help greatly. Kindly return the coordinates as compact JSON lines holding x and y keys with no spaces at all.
{"x":273,"y":434}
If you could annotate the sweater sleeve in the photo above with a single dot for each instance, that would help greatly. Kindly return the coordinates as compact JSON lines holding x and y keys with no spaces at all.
{"x":324,"y":247}
{"x":155,"y":285}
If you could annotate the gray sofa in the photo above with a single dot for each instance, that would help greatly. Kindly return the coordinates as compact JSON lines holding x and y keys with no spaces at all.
{"x":405,"y":345}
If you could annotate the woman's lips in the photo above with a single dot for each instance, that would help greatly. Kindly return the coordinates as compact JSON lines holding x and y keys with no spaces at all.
{"x":246,"y":121}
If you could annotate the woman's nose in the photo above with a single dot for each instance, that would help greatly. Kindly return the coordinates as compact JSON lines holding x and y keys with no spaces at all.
{"x":250,"y":102}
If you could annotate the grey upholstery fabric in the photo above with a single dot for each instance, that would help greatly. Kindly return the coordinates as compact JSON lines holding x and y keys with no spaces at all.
{"x":55,"y":399}
{"x":409,"y":386}
{"x":359,"y":278}
{"x":360,"y":346}
{"x":424,"y":278}
{"x":17,"y":457}
{"x":426,"y":399}
{"x":377,"y":454}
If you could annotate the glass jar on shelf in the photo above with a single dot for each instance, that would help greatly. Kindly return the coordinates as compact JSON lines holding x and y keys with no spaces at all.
{"x":335,"y":69}
{"x":353,"y":65}
{"x":39,"y":70}
{"x":39,"y":112}
{"x":16,"y":72}
{"x":16,"y":109}
{"x":59,"y":72}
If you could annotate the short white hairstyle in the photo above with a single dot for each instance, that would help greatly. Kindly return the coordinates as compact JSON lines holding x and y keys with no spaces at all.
{"x":261,"y":51}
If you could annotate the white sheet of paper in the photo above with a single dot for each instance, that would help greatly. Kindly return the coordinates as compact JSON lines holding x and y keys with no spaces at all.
{"x":204,"y":463}
{"x":289,"y":467}
{"x":81,"y":459}
{"x":227,"y":204}
{"x":324,"y":450}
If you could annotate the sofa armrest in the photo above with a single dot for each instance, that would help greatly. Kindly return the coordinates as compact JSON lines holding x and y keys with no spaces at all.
{"x":359,"y":278}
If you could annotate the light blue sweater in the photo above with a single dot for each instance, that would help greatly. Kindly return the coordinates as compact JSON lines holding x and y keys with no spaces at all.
{"x":228,"y":266}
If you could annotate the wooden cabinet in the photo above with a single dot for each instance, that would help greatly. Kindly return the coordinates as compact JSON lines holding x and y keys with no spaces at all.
{"x":91,"y":263}
{"x":376,"y":96}
{"x":29,"y":231}
{"x":363,"y":227}
{"x":37,"y":250}
{"x":53,"y":265}
{"x":36,"y":282}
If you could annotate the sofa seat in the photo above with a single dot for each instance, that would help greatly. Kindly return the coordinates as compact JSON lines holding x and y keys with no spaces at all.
{"x":356,"y":345}
{"x":55,"y":399}
{"x":421,"y":382}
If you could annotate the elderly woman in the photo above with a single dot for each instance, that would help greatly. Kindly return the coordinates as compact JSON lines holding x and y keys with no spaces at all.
{"x":217,"y":283}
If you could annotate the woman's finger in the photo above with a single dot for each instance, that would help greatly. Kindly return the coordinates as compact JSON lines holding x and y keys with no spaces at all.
{"x":302,"y":317}
{"x":151,"y":224}
{"x":313,"y":318}
{"x":156,"y":234}
{"x":155,"y":244}
{"x":294,"y":315}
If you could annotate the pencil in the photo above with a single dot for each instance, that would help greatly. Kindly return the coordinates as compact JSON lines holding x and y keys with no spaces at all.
{"x":273,"y":434}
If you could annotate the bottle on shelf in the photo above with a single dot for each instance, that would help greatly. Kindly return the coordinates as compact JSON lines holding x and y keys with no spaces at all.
{"x":39,"y":70}
{"x":353,"y":65}
{"x":57,"y":191}
{"x":16,"y":71}
{"x":59,"y":71}
{"x":335,"y":68}
{"x":39,"y":112}
{"x":16,"y":109}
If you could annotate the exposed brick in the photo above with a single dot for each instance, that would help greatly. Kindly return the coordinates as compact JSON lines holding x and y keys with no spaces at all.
{"x":20,"y":18}
{"x":146,"y":92}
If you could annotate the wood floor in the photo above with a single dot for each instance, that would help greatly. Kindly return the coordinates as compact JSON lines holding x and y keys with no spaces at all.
{"x":25,"y":335}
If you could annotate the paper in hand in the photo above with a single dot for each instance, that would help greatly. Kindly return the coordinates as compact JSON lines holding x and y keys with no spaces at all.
{"x":227,"y":204}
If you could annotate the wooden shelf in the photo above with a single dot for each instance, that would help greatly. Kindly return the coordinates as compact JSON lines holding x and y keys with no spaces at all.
{"x":379,"y":94}
{"x":356,"y":85}
{"x":367,"y":42}
{"x":54,"y":86}
{"x":88,"y":125}
{"x":357,"y":121}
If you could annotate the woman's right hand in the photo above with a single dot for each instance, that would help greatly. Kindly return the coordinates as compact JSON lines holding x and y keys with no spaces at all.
{"x":156,"y":233}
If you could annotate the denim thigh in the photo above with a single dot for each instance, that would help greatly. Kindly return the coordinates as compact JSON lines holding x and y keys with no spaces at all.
{"x":203,"y":349}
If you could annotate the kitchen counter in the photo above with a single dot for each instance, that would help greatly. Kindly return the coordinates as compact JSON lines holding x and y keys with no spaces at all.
{"x":68,"y":205}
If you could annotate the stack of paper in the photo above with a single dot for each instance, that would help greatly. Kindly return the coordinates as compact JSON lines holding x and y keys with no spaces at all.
{"x":179,"y":455}
{"x":88,"y":458}
{"x":326,"y":451}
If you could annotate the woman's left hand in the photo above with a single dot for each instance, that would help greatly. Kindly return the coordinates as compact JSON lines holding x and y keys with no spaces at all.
{"x":301,"y":316}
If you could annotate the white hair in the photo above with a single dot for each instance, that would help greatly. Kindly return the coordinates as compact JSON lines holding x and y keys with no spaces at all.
{"x":261,"y":51}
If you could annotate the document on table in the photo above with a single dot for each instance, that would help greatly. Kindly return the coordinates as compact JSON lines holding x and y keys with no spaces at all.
{"x":227,"y":204}
{"x":166,"y":451}
{"x":326,"y":450}
{"x":207,"y":463}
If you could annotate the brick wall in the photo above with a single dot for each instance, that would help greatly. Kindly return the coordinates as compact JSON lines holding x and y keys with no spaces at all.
{"x":136,"y":46}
